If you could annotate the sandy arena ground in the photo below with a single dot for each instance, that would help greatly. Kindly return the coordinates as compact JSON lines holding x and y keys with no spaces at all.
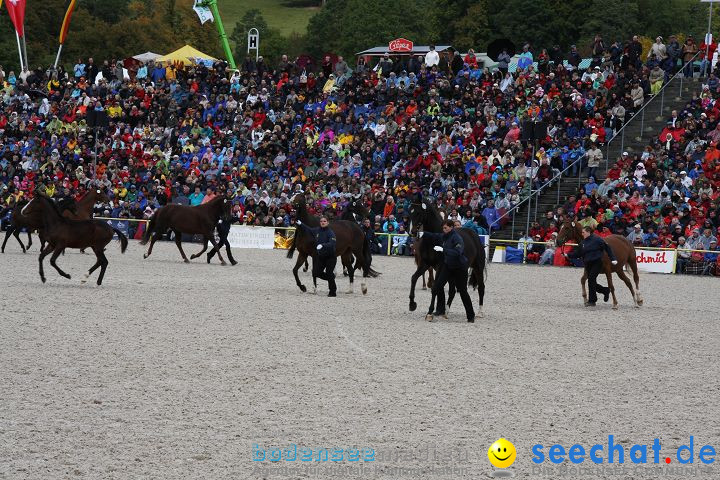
{"x":175,"y":371}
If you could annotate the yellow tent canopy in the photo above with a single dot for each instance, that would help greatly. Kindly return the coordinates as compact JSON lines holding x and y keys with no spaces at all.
{"x":186,"y":54}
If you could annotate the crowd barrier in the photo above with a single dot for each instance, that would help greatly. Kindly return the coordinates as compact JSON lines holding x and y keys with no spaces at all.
{"x":650,"y":259}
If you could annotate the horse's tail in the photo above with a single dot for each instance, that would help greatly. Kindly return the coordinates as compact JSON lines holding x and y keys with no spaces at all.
{"x":479,"y":271}
{"x":123,"y":240}
{"x":149,"y":229}
{"x":367,"y":257}
{"x":291,"y":250}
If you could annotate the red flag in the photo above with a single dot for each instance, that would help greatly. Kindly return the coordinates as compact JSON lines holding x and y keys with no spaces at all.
{"x":16,"y":10}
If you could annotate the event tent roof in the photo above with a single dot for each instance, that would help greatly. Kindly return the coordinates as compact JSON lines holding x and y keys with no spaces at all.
{"x":147,"y":56}
{"x":186,"y":54}
{"x":417,"y":50}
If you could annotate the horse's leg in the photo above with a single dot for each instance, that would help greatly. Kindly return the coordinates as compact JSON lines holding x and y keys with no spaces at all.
{"x":103,"y":264}
{"x":178,"y":242}
{"x":633,"y":266}
{"x":56,"y":253}
{"x":298,"y":263}
{"x":347,"y":264}
{"x":205,"y":245}
{"x":94,"y":267}
{"x":621,"y":274}
{"x":431,"y":277}
{"x":7,"y":235}
{"x":27,"y":247}
{"x":583,"y":280}
{"x":420,"y":272}
{"x":424,"y":287}
{"x":306,"y":267}
{"x":360,"y":265}
{"x":608,"y":274}
{"x":479,"y":275}
{"x":429,"y":315}
{"x":43,"y":253}
{"x":16,"y":234}
{"x":153,"y":238}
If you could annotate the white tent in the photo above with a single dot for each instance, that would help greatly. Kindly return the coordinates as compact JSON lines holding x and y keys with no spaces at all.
{"x":146,"y":57}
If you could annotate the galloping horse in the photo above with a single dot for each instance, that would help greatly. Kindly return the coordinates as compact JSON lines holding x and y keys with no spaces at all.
{"x":84,"y":206}
{"x":350,"y":241}
{"x":201,"y":219}
{"x":63,"y":233}
{"x":25,"y":215}
{"x":624,"y":252}
{"x":425,"y":214}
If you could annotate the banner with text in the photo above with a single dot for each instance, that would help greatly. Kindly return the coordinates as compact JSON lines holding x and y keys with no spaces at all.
{"x":655,"y":260}
{"x":242,"y":236}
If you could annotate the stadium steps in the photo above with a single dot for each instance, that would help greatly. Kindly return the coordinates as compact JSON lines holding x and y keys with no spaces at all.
{"x":634,"y":142}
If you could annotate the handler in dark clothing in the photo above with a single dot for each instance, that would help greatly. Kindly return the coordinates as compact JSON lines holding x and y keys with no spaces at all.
{"x":324,"y":262}
{"x":591,"y":250}
{"x":223,"y":229}
{"x":454,"y":269}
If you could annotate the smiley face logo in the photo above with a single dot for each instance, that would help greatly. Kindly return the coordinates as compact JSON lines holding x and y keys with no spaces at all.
{"x":502,"y":453}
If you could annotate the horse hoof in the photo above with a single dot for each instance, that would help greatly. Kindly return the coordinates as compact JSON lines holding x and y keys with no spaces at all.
{"x":303,"y":288}
{"x":349,"y":291}
{"x":43,"y":279}
{"x":429,"y":317}
{"x":145,"y":255}
{"x":413,"y":306}
{"x":223,"y":264}
{"x":640,"y":302}
{"x":364,"y":290}
{"x":614,"y":307}
{"x":424,"y":288}
{"x":233,"y":263}
{"x":208,"y":259}
{"x":186,"y":260}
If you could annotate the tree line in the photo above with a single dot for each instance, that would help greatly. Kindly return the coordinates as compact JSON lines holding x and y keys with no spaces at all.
{"x":107,"y":29}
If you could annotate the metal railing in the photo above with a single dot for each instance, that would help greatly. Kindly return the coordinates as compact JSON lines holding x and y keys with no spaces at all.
{"x":618,"y":134}
{"x":641,"y":113}
{"x":536,"y":193}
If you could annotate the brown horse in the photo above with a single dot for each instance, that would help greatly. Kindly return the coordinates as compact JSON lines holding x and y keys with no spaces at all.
{"x":350,"y":241}
{"x":201,"y":220}
{"x":84,"y":206}
{"x":624,"y":254}
{"x":63,"y":233}
{"x":29,"y":216}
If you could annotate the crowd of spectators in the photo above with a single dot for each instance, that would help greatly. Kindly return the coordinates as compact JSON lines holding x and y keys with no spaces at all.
{"x":438,"y":125}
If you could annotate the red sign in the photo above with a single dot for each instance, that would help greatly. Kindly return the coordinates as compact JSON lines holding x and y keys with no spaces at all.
{"x":400,"y":45}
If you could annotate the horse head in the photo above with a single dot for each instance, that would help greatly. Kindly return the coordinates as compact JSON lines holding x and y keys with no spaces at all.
{"x":100,"y":194}
{"x":357,"y":209}
{"x":570,"y":231}
{"x":418,"y":216}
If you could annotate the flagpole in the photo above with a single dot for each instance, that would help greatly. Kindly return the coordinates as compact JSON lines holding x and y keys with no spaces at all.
{"x":24,"y":45}
{"x":22,"y":69}
{"x":57,"y":58}
{"x":212,"y":4}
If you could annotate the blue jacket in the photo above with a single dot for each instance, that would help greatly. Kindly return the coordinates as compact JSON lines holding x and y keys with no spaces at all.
{"x":592,"y":249}
{"x":453,"y":248}
{"x":323,"y":236}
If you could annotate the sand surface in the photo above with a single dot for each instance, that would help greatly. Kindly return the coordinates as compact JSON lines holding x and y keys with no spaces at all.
{"x":173,"y":370}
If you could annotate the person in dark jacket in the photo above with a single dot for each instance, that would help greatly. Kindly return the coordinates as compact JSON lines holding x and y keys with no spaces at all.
{"x":324,"y":262}
{"x":591,"y":250}
{"x":223,"y":229}
{"x":370,"y":238}
{"x":454,"y":269}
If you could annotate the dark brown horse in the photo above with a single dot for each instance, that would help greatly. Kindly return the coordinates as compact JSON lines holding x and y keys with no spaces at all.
{"x":29,"y":216}
{"x":350,"y":241}
{"x":425,"y":214}
{"x":201,"y":220}
{"x":624,"y":252}
{"x":84,"y":206}
{"x":63,"y":233}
